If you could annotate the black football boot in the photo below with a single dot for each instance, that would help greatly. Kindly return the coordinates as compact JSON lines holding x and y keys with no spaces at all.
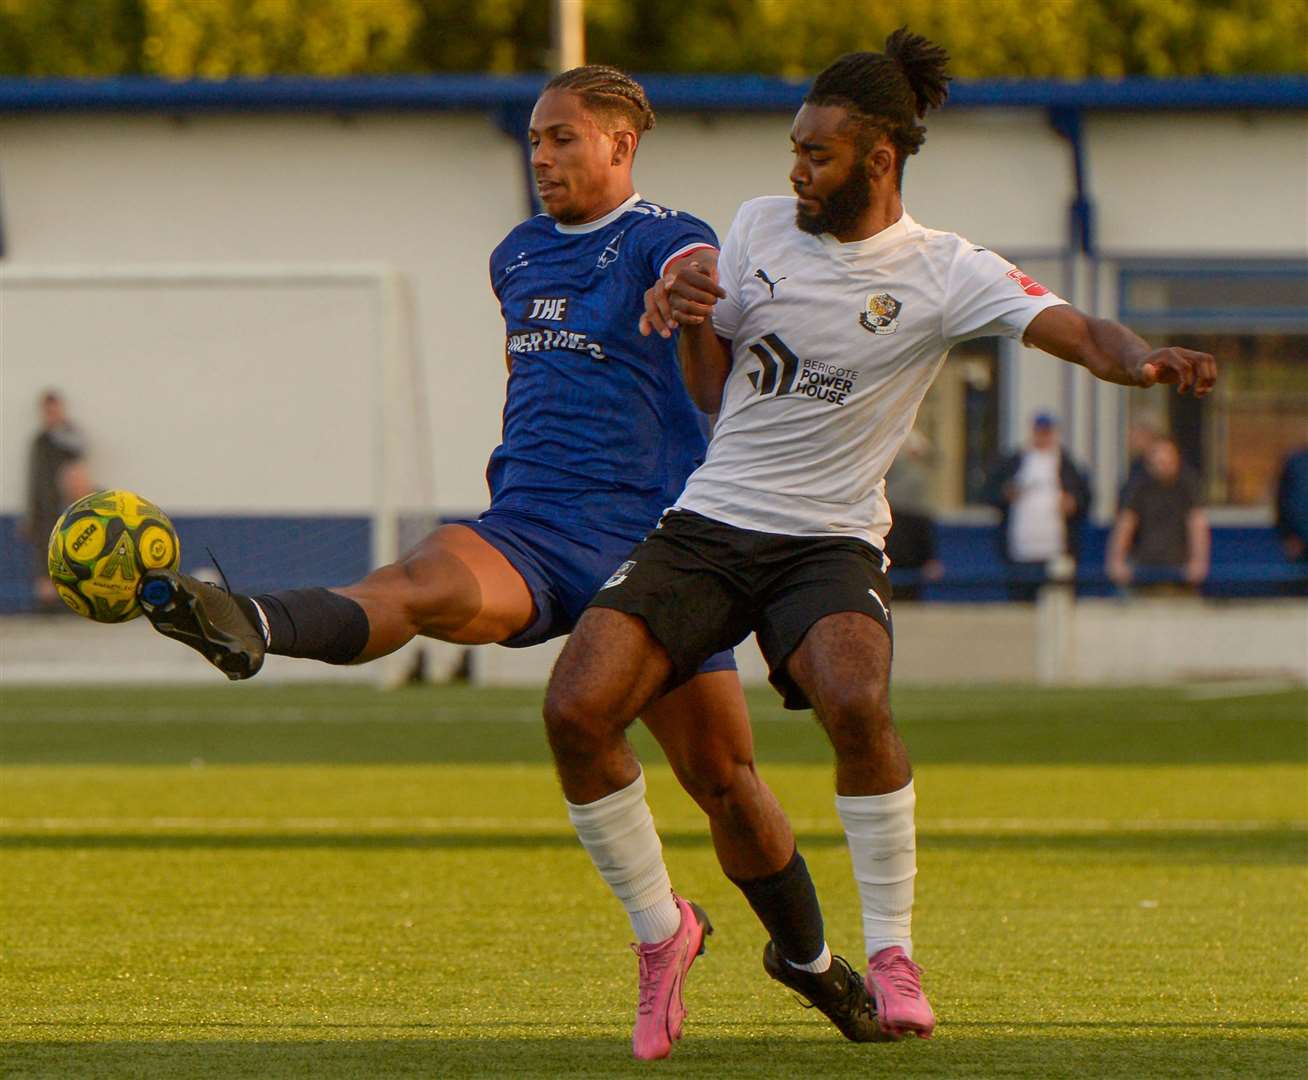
{"x":838,"y":993}
{"x":206,"y":618}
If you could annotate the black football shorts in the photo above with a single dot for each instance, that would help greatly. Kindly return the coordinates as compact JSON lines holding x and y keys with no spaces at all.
{"x":702,"y":586}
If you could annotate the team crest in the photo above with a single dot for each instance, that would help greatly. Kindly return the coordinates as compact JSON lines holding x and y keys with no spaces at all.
{"x":881,"y":315}
{"x":619,"y":575}
{"x":611,"y":251}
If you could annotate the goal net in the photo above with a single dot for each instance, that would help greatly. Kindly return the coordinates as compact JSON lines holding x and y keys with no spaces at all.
{"x":276,"y":412}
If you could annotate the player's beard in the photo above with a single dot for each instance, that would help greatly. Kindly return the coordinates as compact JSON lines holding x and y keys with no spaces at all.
{"x":841,"y":209}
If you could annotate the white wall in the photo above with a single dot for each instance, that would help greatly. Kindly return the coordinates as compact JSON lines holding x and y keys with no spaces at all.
{"x":221,"y":398}
{"x":432,"y":194}
{"x":429,"y":195}
{"x":1210,"y":184}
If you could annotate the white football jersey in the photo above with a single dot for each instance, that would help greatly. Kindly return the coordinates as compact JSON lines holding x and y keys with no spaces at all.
{"x":833,"y":348}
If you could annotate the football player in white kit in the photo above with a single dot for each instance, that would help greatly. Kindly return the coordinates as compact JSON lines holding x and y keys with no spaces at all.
{"x":815,"y":335}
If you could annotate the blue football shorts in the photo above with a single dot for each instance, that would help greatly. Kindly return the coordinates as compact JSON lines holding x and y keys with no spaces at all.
{"x":563,"y":570}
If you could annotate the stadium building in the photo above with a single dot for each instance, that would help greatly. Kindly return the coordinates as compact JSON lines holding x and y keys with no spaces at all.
{"x":310,"y":256}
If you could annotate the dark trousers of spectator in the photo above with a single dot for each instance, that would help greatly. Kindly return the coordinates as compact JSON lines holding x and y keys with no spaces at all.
{"x":1025,"y":580}
{"x":910,"y":545}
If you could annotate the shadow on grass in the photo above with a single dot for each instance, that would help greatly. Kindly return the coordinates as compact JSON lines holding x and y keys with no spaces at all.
{"x":1137,"y":1053}
{"x":1272,"y":846}
{"x":352,"y":725}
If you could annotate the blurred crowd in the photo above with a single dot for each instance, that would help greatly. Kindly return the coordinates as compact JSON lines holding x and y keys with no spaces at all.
{"x":1160,"y":542}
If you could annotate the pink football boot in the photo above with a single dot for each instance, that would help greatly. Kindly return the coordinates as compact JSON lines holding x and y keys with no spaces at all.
{"x":663,"y":967}
{"x":895,"y":983}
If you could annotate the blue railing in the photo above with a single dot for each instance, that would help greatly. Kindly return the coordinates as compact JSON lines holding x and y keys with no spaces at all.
{"x":749,"y":93}
{"x":262,"y":553}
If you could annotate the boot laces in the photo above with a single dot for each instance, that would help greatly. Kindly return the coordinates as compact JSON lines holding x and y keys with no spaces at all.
{"x":902,"y":974}
{"x":653,"y":962}
{"x":849,"y":995}
{"x":226,"y":586}
{"x":852,"y":993}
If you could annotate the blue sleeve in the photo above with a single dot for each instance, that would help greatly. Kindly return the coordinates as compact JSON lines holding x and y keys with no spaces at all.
{"x":506,"y":252}
{"x":671,"y":236}
{"x":495,"y":260}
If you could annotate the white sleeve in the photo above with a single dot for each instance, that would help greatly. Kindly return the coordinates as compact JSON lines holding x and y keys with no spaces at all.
{"x":728,"y":311}
{"x":988,"y":296}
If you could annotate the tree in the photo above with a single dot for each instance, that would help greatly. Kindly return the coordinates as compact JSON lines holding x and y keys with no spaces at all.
{"x":986,"y":38}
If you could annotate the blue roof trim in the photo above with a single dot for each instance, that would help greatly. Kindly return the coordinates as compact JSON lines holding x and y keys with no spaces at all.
{"x":431,"y":93}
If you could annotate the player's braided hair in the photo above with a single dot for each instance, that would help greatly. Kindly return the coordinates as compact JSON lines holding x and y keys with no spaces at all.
{"x":610,"y":92}
{"x":887,"y":93}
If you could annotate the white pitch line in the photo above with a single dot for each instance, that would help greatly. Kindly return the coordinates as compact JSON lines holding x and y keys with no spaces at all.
{"x":1239,"y":688}
{"x":508,"y":826}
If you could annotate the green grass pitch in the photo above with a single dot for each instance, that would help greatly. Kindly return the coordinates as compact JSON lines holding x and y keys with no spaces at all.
{"x":259,"y":882}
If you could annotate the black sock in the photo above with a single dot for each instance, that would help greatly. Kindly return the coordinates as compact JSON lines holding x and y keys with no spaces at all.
{"x":787,"y":905}
{"x":316,"y":624}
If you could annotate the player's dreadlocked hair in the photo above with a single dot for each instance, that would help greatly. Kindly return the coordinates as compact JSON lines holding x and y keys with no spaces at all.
{"x":610,"y":92}
{"x":888,"y":92}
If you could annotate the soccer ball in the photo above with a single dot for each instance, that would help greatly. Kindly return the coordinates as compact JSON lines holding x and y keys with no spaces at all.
{"x":99,"y":548}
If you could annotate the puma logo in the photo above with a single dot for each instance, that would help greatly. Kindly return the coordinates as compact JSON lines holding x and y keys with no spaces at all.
{"x":762,"y":275}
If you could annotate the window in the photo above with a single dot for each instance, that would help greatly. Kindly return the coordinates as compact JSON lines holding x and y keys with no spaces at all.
{"x":959,"y":419}
{"x":1254,"y":319}
{"x":1237,"y":438}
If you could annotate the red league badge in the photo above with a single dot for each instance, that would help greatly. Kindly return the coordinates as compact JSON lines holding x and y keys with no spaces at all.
{"x":1029,"y":284}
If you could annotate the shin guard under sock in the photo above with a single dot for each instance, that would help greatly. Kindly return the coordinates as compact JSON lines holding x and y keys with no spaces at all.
{"x":316,"y":624}
{"x":786,"y":904}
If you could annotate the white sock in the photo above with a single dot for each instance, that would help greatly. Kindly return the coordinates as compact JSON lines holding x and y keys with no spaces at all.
{"x":618,"y":833}
{"x":817,"y":966}
{"x":263,"y":623}
{"x":883,"y":848}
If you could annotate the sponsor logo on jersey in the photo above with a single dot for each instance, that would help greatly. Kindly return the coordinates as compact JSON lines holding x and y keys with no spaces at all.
{"x":548,"y":308}
{"x":619,"y":575}
{"x":521,"y":262}
{"x":1028,"y":284}
{"x":783,"y":374}
{"x":881,"y":313}
{"x":534,"y":341}
{"x":762,"y":275}
{"x":610,"y":253}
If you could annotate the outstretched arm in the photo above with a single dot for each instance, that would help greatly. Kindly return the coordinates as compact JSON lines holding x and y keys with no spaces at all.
{"x":1111,"y":352}
{"x":683,"y":299}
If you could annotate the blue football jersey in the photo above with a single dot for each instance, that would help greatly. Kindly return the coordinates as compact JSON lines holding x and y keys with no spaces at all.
{"x":597,"y":421}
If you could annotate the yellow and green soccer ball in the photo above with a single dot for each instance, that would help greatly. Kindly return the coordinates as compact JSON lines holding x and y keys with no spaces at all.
{"x":99,"y":548}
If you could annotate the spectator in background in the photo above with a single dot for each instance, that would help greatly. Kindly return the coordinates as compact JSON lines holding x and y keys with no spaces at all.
{"x":1292,"y":513}
{"x":1043,"y":497}
{"x":1161,"y":532}
{"x":1140,"y":438}
{"x":56,"y":476}
{"x":1292,"y":506}
{"x":911,"y":543}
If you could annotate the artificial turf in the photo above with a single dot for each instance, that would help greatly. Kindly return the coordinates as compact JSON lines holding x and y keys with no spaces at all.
{"x":249,"y":881}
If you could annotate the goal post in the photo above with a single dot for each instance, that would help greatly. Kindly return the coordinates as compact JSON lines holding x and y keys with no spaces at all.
{"x":287,"y":393}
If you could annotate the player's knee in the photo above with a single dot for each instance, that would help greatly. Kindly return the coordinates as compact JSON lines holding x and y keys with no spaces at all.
{"x":855,"y":717}
{"x":720,"y":785}
{"x":576,"y":722}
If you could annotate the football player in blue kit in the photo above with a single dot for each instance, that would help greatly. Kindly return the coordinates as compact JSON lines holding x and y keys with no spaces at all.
{"x":599,"y":436}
